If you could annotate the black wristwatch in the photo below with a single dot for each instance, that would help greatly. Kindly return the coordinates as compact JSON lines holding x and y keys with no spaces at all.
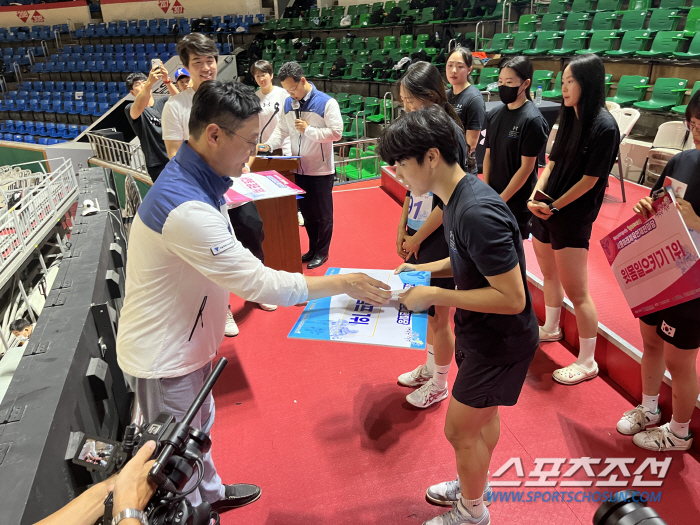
{"x":552,"y":208}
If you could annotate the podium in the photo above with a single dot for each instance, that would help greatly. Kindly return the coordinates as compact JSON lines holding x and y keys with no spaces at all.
{"x":281,"y":246}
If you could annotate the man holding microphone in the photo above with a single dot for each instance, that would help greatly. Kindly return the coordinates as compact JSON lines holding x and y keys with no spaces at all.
{"x":312,"y":121}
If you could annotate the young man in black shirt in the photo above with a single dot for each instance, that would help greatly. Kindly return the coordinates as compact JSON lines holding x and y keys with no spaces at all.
{"x":144,"y":115}
{"x":495,"y":324}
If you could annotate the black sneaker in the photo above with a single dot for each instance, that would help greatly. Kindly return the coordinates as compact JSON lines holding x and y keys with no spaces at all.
{"x":238,"y":495}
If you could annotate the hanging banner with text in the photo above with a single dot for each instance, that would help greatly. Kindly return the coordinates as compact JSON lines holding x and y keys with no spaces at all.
{"x":655,"y":261}
{"x":344,"y":319}
{"x":45,"y":14}
{"x":115,"y":10}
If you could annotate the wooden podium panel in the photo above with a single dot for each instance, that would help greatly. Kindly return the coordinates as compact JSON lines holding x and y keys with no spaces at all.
{"x":281,"y":246}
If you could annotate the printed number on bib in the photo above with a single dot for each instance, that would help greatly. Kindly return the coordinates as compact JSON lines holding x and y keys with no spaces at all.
{"x":419,"y":209}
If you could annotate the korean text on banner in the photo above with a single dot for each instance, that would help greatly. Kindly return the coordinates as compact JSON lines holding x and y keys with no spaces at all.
{"x":655,"y":261}
{"x":259,"y":186}
{"x":341,"y":318}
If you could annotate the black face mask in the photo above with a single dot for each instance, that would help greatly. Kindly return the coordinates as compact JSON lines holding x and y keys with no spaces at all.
{"x":508,"y":94}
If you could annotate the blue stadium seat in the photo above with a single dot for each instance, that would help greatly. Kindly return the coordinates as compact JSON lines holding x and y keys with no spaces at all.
{"x":43,"y":141}
{"x":90,"y":108}
{"x":29,"y":139}
{"x":40,"y":129}
{"x":29,"y":127}
{"x":90,"y":87}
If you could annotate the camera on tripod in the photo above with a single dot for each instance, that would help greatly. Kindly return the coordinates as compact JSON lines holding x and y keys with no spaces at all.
{"x":179,"y":450}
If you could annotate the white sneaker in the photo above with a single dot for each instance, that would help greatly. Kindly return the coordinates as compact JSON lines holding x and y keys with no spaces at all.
{"x":449,"y":492}
{"x":427,"y":395}
{"x":547,"y":336}
{"x":661,"y":439}
{"x":268,"y":307}
{"x":637,"y":419}
{"x":417,"y":377}
{"x":300,"y":217}
{"x":459,"y":516}
{"x":231,"y":326}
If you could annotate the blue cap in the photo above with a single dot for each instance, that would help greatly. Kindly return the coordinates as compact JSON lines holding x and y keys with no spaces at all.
{"x":181,"y":72}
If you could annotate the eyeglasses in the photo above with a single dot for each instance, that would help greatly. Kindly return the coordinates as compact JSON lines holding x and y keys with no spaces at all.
{"x":692,"y":127}
{"x":296,"y":88}
{"x":253,"y":144}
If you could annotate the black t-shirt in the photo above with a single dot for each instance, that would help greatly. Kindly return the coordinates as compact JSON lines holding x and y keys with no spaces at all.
{"x":469,"y":105}
{"x":595,"y":159}
{"x":512,"y":134}
{"x":484,"y":240}
{"x":148,"y":129}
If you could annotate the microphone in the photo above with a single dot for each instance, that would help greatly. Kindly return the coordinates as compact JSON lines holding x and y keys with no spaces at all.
{"x":297,"y":108}
{"x":277,"y":110}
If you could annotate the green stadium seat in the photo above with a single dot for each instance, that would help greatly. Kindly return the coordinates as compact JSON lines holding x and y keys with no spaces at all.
{"x":673,"y":4}
{"x":630,"y":89}
{"x":664,"y":19}
{"x":271,"y":24}
{"x":331,"y":43}
{"x":555,"y":92}
{"x":633,"y":20}
{"x":362,"y":21}
{"x":363,"y":9}
{"x":389,"y":42}
{"x":358,"y":43}
{"x":579,"y":6}
{"x":608,"y":83}
{"x":681,"y":109}
{"x":406,"y":43}
{"x":373,"y":43}
{"x":487,"y":75}
{"x":545,"y":42}
{"x":371,"y":106}
{"x":551,"y":22}
{"x":281,"y":45}
{"x":638,"y":5}
{"x":667,"y":93}
{"x":693,"y":50}
{"x":521,"y":42}
{"x":397,"y":54}
{"x":415,"y":13}
{"x":555,"y":6}
{"x":608,"y":5}
{"x":268,"y":55}
{"x":572,"y":42}
{"x":692,"y":21}
{"x":352,"y":10}
{"x":348,"y":55}
{"x":421,"y":40}
{"x":339,"y":10}
{"x":285,"y":24}
{"x":314,"y":70}
{"x":335,"y":22}
{"x":370,"y":166}
{"x":354,"y":129}
{"x":601,"y":41}
{"x":543,"y":78}
{"x":355,"y":72}
{"x":354,"y":105}
{"x":604,"y":21}
{"x":319,"y":55}
{"x":345,"y":43}
{"x":577,"y":22}
{"x":499,"y":42}
{"x":664,"y":45}
{"x":378,"y":54}
{"x":632,"y":42}
{"x":352,"y":169}
{"x":297,"y":23}
{"x":526,"y":24}
{"x":363,"y":56}
{"x":343,"y":100}
{"x":385,"y":111}
{"x":427,"y":16}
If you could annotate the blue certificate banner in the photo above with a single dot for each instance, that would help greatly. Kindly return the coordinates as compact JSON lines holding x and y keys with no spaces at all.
{"x":342,"y":318}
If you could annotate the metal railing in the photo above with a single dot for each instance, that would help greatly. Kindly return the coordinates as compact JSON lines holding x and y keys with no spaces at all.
{"x":33,"y":197}
{"x":118,"y":152}
{"x":357,"y":161}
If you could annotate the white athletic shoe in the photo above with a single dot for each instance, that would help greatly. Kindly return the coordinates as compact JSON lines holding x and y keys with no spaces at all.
{"x":637,"y":419}
{"x":448,"y":492}
{"x":268,"y":307}
{"x":459,"y":516}
{"x":417,"y":377}
{"x":231,"y":326}
{"x":300,"y":217}
{"x":661,"y":439}
{"x":427,"y":395}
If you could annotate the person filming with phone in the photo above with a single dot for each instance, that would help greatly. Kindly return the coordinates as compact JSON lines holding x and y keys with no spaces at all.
{"x":145,"y":115}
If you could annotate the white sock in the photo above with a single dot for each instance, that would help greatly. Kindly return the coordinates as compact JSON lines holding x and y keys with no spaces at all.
{"x":586,"y":353}
{"x":651,"y":403}
{"x":440,"y":375}
{"x":679,"y":429}
{"x":430,"y":360}
{"x":551,"y":319}
{"x":475,"y":507}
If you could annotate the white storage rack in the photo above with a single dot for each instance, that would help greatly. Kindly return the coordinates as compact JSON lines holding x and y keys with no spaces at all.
{"x":45,"y":197}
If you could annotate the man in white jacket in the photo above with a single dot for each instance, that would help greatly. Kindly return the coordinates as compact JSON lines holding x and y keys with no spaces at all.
{"x":312,"y":120}
{"x":184,"y":260}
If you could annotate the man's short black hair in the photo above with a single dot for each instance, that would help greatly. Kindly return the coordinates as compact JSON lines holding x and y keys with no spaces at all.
{"x":19,"y":324}
{"x":412,"y":135}
{"x":291,"y":69}
{"x":227,"y":104}
{"x":133,"y":79}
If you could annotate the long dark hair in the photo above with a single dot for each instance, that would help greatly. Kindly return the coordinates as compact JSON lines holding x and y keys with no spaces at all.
{"x":424,"y":81}
{"x":589,"y":72}
{"x":466,"y":55}
{"x":523,"y":69}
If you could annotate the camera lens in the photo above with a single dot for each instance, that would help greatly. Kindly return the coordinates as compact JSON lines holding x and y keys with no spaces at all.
{"x":622,"y":509}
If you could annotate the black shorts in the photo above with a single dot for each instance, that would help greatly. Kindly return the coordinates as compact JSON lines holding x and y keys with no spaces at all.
{"x":480,"y":385}
{"x":676,"y":325}
{"x":561,"y":235}
{"x":432,"y":249}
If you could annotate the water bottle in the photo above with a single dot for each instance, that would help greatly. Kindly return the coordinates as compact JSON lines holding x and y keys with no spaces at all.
{"x":538,"y":96}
